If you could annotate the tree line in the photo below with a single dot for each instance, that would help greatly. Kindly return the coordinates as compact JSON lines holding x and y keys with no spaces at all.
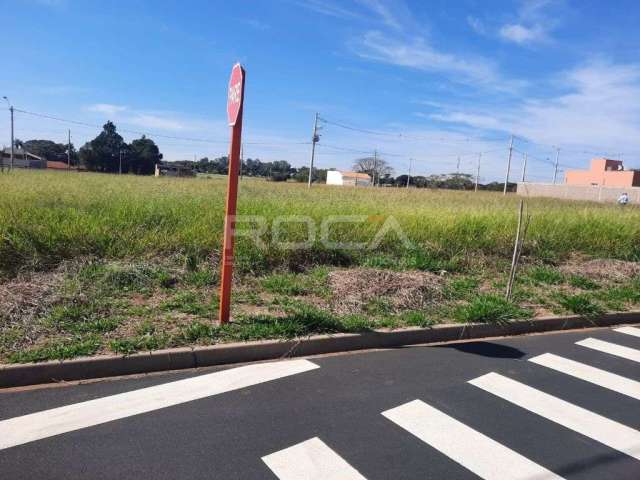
{"x":275,"y":171}
{"x":108,"y":152}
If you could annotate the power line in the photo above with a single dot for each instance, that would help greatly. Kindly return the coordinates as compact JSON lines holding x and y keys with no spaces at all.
{"x":398,"y":135}
{"x":157,"y":135}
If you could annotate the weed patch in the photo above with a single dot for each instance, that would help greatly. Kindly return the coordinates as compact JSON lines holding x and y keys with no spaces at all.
{"x":489,"y":309}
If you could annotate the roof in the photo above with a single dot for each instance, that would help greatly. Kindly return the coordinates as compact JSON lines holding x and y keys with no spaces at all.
{"x":6,"y":151}
{"x":364,"y":176}
{"x":57,"y":165}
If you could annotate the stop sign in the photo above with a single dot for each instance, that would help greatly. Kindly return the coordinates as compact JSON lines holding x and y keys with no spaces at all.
{"x":236,"y":94}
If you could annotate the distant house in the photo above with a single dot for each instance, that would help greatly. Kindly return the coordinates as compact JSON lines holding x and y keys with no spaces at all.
{"x":349,"y":179}
{"x":21,"y":159}
{"x":55,"y":165}
{"x":173,"y":170}
{"x":604,"y":172}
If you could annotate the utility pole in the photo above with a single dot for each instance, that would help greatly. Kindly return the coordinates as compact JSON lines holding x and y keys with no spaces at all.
{"x":314,"y":139}
{"x":69,"y":149}
{"x":478,"y":171}
{"x":409,"y":176}
{"x":12,"y":140}
{"x":555,"y":170}
{"x":375,"y":167}
{"x":120,"y":167}
{"x":458,"y":167}
{"x":506,"y":180}
{"x":524,"y":168}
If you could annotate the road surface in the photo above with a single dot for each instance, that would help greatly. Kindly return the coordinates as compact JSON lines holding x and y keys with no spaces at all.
{"x":562,"y":405}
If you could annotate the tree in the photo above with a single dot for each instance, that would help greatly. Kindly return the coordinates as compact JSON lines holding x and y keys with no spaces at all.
{"x":143,"y":156}
{"x":102,"y":154}
{"x":279,"y":171}
{"x":50,"y":151}
{"x":302,"y":175}
{"x":375,"y":167}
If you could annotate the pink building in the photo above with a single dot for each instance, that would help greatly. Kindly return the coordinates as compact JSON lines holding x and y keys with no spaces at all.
{"x":604,"y":172}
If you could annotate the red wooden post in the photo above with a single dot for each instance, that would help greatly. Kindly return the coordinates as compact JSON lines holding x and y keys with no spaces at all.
{"x":234,"y":113}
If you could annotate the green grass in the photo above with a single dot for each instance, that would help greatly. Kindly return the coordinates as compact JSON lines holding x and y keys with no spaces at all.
{"x":63,"y":216}
{"x":462,"y":287}
{"x":146,"y":251}
{"x":545,"y":275}
{"x":489,"y":308}
{"x":58,"y":350}
{"x":284,"y":284}
{"x":581,"y":304}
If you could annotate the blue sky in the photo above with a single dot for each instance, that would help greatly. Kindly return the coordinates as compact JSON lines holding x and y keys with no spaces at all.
{"x":433,"y":80}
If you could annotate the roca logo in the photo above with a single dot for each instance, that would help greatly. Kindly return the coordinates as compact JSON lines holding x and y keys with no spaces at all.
{"x":234,"y":93}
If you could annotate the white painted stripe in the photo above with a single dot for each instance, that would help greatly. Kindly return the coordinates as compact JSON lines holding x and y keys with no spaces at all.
{"x":611,"y":348}
{"x":476,"y":452}
{"x":629,"y":331}
{"x":599,"y":377}
{"x":606,"y":431}
{"x":35,"y":426}
{"x":310,"y":460}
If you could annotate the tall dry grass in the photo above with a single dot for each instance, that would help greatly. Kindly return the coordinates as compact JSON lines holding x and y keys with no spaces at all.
{"x":46,"y":217}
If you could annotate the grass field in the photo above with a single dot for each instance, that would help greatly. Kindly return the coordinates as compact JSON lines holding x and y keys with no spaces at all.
{"x":130,"y":263}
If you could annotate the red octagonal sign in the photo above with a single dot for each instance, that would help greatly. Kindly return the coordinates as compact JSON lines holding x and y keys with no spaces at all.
{"x":236,"y":94}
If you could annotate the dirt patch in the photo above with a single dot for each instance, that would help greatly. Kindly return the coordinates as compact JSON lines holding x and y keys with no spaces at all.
{"x":24,"y":297}
{"x":22,"y":300}
{"x":352,"y":290}
{"x":603,"y":269}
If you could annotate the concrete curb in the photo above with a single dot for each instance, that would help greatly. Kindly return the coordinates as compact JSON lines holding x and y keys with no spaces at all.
{"x":17,"y":375}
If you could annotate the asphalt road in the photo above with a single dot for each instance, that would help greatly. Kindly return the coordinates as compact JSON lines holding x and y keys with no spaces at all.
{"x":460,"y":411}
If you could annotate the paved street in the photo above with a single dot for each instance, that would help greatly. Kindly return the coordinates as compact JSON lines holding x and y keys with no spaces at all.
{"x":564,"y":405}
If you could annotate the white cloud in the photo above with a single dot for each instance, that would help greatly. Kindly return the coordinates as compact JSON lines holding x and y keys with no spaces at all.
{"x":155,"y":122}
{"x":601,"y":109}
{"x":329,"y":8}
{"x":533,"y":23}
{"x":419,"y":54}
{"x":106,"y":108}
{"x":383,"y":11}
{"x":520,"y":34}
{"x":477,"y":25}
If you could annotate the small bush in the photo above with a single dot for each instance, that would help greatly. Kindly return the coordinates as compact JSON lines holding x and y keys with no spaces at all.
{"x":545,"y":275}
{"x":489,"y":309}
{"x":198,"y":331}
{"x":583,"y":283}
{"x":284,"y":284}
{"x":189,"y":302}
{"x":417,"y":319}
{"x":579,"y":304}
{"x":462,"y":287}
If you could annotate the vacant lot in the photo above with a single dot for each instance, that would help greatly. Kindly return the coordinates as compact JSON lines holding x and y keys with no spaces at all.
{"x":92,"y":263}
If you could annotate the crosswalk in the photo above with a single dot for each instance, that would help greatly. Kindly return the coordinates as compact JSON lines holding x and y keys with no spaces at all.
{"x":476,"y":452}
{"x":46,"y":423}
{"x":485,"y":455}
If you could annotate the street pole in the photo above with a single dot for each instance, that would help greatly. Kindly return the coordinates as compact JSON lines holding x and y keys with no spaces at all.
{"x":555,"y":170}
{"x":375,"y":166}
{"x":409,"y":176}
{"x":314,"y":140}
{"x":235,"y":107}
{"x":506,"y":180}
{"x":120,"y":167}
{"x":524,"y":168}
{"x":12,"y":140}
{"x":458,"y":167}
{"x":478,"y":171}
{"x":69,"y":149}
